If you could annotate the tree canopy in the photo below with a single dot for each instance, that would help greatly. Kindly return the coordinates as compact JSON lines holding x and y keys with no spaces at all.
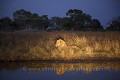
{"x":26,"y":19}
{"x":75,"y":19}
{"x":5,"y":23}
{"x":114,"y":25}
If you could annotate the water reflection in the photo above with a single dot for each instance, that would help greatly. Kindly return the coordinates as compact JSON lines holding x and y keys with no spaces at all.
{"x":60,"y":68}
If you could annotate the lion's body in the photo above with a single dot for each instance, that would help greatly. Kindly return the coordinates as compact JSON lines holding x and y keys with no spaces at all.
{"x":68,"y":51}
{"x":60,"y":44}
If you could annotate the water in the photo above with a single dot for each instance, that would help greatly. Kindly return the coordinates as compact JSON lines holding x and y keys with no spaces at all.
{"x":60,"y":71}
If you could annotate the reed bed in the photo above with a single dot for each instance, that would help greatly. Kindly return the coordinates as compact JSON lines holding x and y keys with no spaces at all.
{"x":41,"y":45}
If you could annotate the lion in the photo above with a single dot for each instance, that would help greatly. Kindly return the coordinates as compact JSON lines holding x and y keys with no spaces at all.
{"x":62,"y":45}
{"x":67,"y":51}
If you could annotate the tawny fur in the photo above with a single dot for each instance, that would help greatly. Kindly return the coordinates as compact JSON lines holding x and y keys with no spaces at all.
{"x":60,"y":44}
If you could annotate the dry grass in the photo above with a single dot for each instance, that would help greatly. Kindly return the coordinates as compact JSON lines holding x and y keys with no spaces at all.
{"x":41,"y":45}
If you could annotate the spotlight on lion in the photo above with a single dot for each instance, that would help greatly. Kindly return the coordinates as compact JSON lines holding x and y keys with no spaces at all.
{"x":65,"y":45}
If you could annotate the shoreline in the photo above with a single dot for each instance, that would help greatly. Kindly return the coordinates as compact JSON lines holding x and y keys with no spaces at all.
{"x":64,"y":61}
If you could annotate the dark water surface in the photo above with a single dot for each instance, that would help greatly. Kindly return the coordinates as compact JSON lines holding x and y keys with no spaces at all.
{"x":60,"y":71}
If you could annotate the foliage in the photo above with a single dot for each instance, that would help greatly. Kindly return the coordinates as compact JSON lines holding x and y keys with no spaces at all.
{"x":22,"y":18}
{"x":27,"y":20}
{"x":96,"y":25}
{"x":5,"y":23}
{"x":75,"y":19}
{"x":114,"y":25}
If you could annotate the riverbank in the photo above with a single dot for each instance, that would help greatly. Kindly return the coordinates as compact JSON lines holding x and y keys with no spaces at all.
{"x":28,"y":46}
{"x":62,"y":61}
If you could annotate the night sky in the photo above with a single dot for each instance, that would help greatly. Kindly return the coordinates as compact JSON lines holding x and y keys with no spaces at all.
{"x":103,"y":10}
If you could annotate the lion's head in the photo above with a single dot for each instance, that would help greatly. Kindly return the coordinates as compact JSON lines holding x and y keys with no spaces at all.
{"x":60,"y":43}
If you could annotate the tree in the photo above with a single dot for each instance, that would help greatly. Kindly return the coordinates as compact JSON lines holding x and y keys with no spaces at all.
{"x":22,"y":18}
{"x":35,"y":20}
{"x":77,"y":19}
{"x":5,"y":23}
{"x":56,"y":22}
{"x":114,"y":25}
{"x":26,"y":19}
{"x":66,"y":23}
{"x":96,"y":25}
{"x":44,"y":22}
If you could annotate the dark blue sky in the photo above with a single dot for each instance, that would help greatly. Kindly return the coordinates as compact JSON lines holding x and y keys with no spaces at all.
{"x":103,"y":10}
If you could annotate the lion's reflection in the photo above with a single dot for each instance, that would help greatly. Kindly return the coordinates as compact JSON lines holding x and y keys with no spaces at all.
{"x":61,"y":68}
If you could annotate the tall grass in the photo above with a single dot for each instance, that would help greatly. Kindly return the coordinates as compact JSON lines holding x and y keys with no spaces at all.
{"x":41,"y":45}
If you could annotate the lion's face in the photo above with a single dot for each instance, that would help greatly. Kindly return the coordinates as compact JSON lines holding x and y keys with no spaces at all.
{"x":60,"y":43}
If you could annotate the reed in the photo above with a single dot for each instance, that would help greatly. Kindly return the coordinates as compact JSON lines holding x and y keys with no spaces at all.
{"x":41,"y":45}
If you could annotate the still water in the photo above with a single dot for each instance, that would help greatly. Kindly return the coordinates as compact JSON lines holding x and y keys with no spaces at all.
{"x":60,"y":71}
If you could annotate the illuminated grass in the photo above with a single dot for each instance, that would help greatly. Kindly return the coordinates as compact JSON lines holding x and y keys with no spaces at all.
{"x":41,"y":45}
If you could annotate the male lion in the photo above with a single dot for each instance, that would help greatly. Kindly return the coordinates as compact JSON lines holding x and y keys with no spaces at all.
{"x":61,"y":45}
{"x":67,"y":51}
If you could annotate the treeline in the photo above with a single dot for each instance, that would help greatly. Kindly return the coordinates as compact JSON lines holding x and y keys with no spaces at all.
{"x":74,"y":20}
